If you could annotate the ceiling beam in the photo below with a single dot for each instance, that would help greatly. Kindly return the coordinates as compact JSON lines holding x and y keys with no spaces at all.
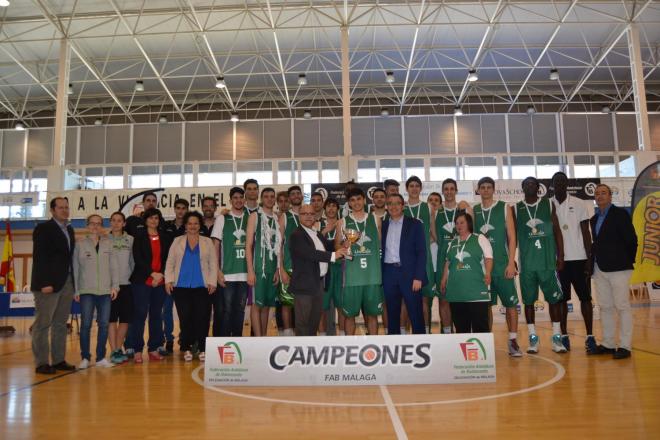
{"x":147,"y":58}
{"x":54,"y":21}
{"x":543,"y":52}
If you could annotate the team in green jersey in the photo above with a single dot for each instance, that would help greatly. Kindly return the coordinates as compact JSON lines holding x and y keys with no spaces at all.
{"x":288,"y":223}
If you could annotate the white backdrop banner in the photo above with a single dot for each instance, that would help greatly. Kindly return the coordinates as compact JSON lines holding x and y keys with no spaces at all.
{"x":350,"y":360}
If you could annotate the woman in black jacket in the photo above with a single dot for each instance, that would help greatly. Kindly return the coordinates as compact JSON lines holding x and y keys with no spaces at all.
{"x":150,"y":249}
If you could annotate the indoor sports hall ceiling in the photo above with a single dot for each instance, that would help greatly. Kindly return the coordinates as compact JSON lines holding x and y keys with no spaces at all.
{"x":179,"y":49}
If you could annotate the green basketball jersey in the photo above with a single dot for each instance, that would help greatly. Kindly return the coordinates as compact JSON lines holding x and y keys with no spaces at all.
{"x":422,"y":212}
{"x":536,"y":239}
{"x":445,"y":230}
{"x":266,"y":244}
{"x":492,"y":223}
{"x":291,"y":222}
{"x":233,"y":244}
{"x":466,"y":273}
{"x":364,"y":269}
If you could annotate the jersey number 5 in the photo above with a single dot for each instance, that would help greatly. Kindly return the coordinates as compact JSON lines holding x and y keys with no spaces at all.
{"x":363,"y":263}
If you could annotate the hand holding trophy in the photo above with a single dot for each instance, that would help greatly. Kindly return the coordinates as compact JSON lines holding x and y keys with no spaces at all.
{"x":352,"y":235}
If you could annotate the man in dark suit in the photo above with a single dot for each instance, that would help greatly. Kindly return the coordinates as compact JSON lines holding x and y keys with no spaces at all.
{"x":52,"y":285}
{"x":310,"y":255}
{"x":613,"y":254}
{"x":404,"y":266}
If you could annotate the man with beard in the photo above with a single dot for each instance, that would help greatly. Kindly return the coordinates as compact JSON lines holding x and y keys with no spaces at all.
{"x":288,"y":223}
{"x":209,"y":206}
{"x":135,"y":222}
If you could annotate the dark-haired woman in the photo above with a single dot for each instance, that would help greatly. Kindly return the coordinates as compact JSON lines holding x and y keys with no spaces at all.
{"x":191,"y":275}
{"x":121,"y":309}
{"x":150,"y":249}
{"x":466,"y":277}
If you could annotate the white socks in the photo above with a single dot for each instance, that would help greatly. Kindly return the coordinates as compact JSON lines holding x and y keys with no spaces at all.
{"x":446,"y":330}
{"x":556,"y":328}
{"x":403,"y":330}
{"x":531,"y":328}
{"x":341,"y":333}
{"x":513,"y":335}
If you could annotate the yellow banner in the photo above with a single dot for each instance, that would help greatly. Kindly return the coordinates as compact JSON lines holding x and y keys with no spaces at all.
{"x":646,"y":219}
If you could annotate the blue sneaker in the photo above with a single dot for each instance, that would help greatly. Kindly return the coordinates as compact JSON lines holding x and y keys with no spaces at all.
{"x":590,"y":345}
{"x":566,"y":342}
{"x":116,"y":357}
{"x":557,"y":346}
{"x":533,"y":344}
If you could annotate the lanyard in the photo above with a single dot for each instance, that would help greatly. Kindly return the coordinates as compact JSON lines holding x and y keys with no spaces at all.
{"x":459,"y":254}
{"x":535,"y":210}
{"x":444,"y":211}
{"x":419,"y":210}
{"x":295,"y":219}
{"x":237,"y":227}
{"x":490,"y":211}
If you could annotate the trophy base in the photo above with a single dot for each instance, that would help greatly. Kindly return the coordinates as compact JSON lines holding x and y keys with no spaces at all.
{"x":349,"y":257}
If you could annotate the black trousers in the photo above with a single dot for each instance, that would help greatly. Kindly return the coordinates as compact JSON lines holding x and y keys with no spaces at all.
{"x":470,"y":317}
{"x":194,"y":309}
{"x":308,"y":313}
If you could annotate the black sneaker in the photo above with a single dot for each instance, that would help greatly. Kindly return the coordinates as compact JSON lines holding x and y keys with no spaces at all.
{"x":621,"y":353}
{"x":169,"y":347}
{"x":63,"y":366}
{"x":566,"y":342}
{"x":590,"y":345}
{"x":601,"y":349}
{"x":45,"y":369}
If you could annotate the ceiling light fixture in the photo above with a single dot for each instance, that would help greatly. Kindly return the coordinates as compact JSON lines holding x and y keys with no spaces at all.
{"x":531,"y":110}
{"x":220,"y":82}
{"x":389,"y":77}
{"x":472,"y":76}
{"x":163,"y":119}
{"x":554,"y":75}
{"x":234,"y":117}
{"x":302,"y":79}
{"x":139,"y":86}
{"x":4,"y":3}
{"x":605,"y":109}
{"x":98,"y":121}
{"x":384,"y":112}
{"x":458,"y":111}
{"x":70,"y":89}
{"x":19,"y":126}
{"x":307,"y":114}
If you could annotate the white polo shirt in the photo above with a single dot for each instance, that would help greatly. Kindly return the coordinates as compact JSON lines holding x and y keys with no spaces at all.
{"x":570,"y":214}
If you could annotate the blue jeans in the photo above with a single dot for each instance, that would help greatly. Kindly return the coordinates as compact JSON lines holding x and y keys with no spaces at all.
{"x":168,"y":318}
{"x":88,"y":303}
{"x":147,"y":300}
{"x":233,"y":298}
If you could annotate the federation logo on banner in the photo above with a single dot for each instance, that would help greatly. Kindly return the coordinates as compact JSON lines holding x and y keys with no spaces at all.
{"x":473,"y":350}
{"x":230,"y":354}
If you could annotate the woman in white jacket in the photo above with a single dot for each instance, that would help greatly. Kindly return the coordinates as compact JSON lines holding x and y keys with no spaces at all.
{"x":95,"y":273}
{"x":191,"y":273}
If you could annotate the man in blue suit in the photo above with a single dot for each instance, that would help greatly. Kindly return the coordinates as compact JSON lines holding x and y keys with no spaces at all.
{"x":404,"y":266}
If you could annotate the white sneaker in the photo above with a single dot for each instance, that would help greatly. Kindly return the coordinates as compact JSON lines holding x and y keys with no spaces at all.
{"x":104,"y":363}
{"x":557,"y":346}
{"x":202,"y":356}
{"x":84,"y":364}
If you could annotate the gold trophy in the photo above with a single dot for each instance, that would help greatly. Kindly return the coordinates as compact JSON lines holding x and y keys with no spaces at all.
{"x":352,"y":235}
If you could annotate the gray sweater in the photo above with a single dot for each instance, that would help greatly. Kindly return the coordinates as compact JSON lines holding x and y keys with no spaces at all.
{"x":122,"y":248}
{"x":95,"y":272}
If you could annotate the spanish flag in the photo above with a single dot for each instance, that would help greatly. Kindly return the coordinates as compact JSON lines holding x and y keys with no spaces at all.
{"x":7,"y":267}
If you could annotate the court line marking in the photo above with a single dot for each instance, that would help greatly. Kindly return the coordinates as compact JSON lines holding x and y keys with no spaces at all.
{"x":560,"y":372}
{"x":394,"y":415}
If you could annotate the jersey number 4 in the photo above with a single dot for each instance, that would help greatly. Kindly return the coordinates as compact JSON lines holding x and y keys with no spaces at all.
{"x":537,"y":243}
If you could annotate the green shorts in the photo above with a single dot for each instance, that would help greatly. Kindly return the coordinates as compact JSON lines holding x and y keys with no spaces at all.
{"x":332,"y":297}
{"x":367,"y":298}
{"x":531,"y":281}
{"x":430,"y":290}
{"x":283,"y":294}
{"x":265,"y":293}
{"x":505,"y":289}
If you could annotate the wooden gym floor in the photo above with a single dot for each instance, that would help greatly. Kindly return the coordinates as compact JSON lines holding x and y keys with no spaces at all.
{"x":545,"y":396}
